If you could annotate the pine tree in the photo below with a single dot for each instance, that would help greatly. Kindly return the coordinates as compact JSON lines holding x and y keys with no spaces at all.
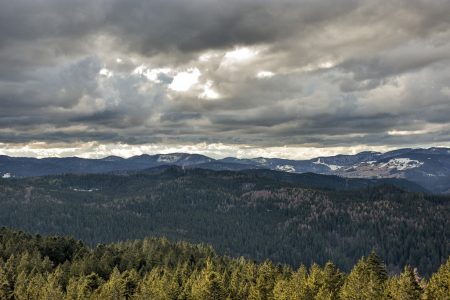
{"x":52,"y":288}
{"x":113,"y":289}
{"x":82,"y":287}
{"x":366,"y":280}
{"x":6,"y":292}
{"x":294,"y":287}
{"x":408,"y":287}
{"x":29,"y":287}
{"x":265,"y":282}
{"x":10,"y":270}
{"x":403,"y":287}
{"x":188,"y":286}
{"x":376,"y":266}
{"x":152,"y":286}
{"x":235,"y":284}
{"x":74,"y":289}
{"x":209,"y":285}
{"x":315,"y":279}
{"x":130,"y":280}
{"x":21,"y":287}
{"x":281,"y":290}
{"x":332,"y":282}
{"x":391,"y":288}
{"x":439,"y":285}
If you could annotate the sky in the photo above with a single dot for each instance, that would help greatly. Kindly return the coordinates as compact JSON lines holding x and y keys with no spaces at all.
{"x":248,"y":78}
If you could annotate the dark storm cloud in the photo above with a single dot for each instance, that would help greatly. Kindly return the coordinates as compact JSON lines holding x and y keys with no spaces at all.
{"x":315,"y":72}
{"x":153,"y":26}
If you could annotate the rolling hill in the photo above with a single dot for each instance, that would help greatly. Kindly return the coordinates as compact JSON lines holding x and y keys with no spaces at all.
{"x":259,"y":214}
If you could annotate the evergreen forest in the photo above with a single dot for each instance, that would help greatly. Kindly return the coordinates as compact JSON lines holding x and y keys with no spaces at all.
{"x":298,"y":220}
{"x":55,"y":267}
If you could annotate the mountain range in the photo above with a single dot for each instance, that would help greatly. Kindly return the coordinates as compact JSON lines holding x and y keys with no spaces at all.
{"x":429,"y":168}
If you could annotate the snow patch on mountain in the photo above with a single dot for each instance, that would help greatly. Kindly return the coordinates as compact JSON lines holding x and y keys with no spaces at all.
{"x":168,"y":158}
{"x":85,"y":190}
{"x":260,"y":160}
{"x":402,"y":164}
{"x":332,"y":167}
{"x":285,"y":168}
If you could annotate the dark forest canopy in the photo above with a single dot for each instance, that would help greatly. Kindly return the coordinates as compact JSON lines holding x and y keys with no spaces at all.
{"x":55,"y":267}
{"x":250,"y":214}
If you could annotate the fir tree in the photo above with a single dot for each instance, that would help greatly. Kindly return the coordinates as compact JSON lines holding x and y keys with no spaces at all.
{"x":439,"y":285}
{"x":6,"y":292}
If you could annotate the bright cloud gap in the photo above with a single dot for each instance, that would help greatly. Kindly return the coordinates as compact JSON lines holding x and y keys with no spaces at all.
{"x":289,"y":77}
{"x":215,"y":150}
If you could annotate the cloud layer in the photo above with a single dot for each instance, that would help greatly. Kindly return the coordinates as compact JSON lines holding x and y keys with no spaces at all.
{"x":251,"y":74}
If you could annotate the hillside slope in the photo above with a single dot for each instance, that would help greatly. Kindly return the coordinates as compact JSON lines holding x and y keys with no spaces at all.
{"x":238,"y":213}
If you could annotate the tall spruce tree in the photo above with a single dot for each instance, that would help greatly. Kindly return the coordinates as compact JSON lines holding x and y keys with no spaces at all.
{"x":439,"y":285}
{"x":366,"y":280}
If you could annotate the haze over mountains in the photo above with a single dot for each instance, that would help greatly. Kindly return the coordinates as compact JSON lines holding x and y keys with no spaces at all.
{"x":429,"y":168}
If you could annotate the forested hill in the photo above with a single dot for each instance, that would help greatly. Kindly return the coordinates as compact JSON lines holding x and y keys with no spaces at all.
{"x":239,"y":213}
{"x":41,"y":267}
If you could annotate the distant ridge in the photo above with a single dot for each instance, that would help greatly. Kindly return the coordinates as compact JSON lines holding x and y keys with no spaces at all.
{"x":429,"y":168}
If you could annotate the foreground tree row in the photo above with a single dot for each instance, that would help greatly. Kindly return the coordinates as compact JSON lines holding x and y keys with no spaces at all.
{"x":36,"y":267}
